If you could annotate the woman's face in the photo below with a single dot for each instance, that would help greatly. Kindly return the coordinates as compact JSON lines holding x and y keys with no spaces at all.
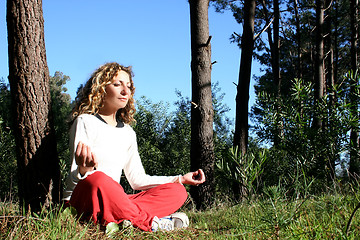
{"x":118,"y":92}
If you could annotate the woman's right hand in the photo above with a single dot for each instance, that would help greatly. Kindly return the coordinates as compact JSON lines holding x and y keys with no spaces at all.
{"x":85,"y":159}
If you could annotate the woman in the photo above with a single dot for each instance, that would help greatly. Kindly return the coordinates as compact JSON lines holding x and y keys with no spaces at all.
{"x":103,"y":145}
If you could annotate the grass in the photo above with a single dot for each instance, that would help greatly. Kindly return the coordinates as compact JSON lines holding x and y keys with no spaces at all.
{"x":270,"y":217}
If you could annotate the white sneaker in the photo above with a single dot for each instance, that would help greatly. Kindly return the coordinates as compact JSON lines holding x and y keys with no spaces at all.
{"x":169,"y":223}
{"x":165,"y":224}
{"x":180,"y":220}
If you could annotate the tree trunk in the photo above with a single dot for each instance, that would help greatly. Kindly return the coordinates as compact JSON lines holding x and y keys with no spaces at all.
{"x":202,"y":148}
{"x":354,"y":168}
{"x":38,"y":167}
{"x":276,"y":70}
{"x":298,"y":39}
{"x":274,"y":44}
{"x":330,"y":84}
{"x":336,"y":41}
{"x":242,"y":97}
{"x":276,"y":50}
{"x":319,"y":59}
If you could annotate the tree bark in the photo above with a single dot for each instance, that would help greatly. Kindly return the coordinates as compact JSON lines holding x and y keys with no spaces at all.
{"x":38,"y":167}
{"x":330,"y":83}
{"x":241,"y":134}
{"x":298,"y":39}
{"x":276,"y":50}
{"x":354,"y":168}
{"x":242,"y":97}
{"x":319,"y":59}
{"x":274,"y":44}
{"x":202,"y":148}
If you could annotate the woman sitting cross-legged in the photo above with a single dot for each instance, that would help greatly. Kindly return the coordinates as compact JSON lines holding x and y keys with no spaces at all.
{"x":103,"y":145}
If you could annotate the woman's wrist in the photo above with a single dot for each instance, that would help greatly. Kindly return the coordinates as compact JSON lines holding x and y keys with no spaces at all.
{"x":181,"y":179}
{"x":84,"y":170}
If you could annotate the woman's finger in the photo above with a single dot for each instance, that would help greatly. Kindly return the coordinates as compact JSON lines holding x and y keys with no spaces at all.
{"x":84,"y":155}
{"x":87,"y":156}
{"x":79,"y":157}
{"x":202,"y":175}
{"x":78,"y":149}
{"x":94,"y":160}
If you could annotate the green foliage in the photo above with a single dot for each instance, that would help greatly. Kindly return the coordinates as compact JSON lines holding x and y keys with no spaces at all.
{"x":61,"y":108}
{"x":176,"y":143}
{"x":244,"y":169}
{"x":152,"y":120}
{"x":284,"y":115}
{"x":304,"y":153}
{"x":222,"y":124}
{"x":277,"y":213}
{"x":164,"y":137}
{"x":8,"y":171}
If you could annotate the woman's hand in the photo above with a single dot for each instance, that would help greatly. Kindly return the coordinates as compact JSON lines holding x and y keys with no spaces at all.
{"x":193,"y":178}
{"x":85,"y":159}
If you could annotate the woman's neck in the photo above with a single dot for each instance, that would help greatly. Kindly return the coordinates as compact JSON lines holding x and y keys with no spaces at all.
{"x":110,"y":118}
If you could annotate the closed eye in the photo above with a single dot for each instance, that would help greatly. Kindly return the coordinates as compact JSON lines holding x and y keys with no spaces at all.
{"x":121,"y":83}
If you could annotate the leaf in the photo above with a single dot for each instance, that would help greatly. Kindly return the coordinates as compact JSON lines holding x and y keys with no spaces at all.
{"x":111,"y":228}
{"x":71,"y":210}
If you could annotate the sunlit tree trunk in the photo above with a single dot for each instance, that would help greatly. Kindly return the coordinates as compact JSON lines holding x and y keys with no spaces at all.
{"x":330,"y":83}
{"x":319,"y":59}
{"x":202,"y":148}
{"x":38,"y":168}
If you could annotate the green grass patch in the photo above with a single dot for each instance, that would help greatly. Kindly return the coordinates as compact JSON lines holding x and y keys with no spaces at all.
{"x":271,"y":217}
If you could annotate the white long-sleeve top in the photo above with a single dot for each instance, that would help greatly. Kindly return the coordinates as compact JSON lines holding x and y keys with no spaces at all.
{"x":115,"y":149}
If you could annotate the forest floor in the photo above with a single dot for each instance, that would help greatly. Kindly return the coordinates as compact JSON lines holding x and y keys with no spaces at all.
{"x":316,"y":217}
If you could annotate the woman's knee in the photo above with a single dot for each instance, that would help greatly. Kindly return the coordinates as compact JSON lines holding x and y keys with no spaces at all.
{"x":179,"y":191}
{"x":95,"y":180}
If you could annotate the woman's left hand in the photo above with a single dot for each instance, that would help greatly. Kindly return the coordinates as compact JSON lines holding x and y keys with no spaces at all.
{"x":193,"y":178}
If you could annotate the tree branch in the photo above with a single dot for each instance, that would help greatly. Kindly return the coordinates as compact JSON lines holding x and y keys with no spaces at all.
{"x":264,"y":29}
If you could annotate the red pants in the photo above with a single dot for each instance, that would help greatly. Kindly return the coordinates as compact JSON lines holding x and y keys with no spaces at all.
{"x":100,"y":198}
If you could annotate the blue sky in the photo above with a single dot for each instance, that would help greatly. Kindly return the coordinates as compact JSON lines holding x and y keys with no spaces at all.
{"x":151,"y":36}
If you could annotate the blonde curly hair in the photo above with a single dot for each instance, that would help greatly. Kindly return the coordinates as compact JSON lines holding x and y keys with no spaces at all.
{"x":90,"y":98}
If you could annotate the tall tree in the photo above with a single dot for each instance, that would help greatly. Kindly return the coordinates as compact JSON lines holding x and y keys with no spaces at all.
{"x":242,"y":96}
{"x":37,"y":160}
{"x":298,"y":39}
{"x":274,"y":44}
{"x":329,"y":78}
{"x":241,"y":134}
{"x":319,"y":59}
{"x":202,"y":148}
{"x":354,"y":167}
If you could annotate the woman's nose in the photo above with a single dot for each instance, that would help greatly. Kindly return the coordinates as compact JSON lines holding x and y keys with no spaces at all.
{"x":125,"y":90}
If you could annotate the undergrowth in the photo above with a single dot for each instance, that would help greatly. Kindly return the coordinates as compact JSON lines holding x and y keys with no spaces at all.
{"x":270,"y":216}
